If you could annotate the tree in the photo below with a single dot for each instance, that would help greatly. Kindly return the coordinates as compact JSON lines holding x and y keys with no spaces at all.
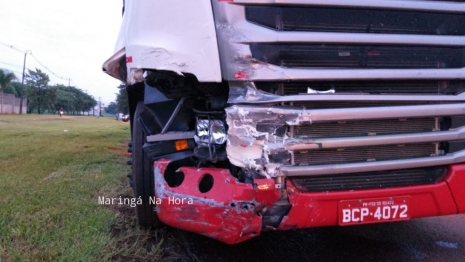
{"x":82,"y":101}
{"x":122,"y":99}
{"x":62,"y":97}
{"x":13,"y":88}
{"x":72,"y":99}
{"x":90,"y":102}
{"x":5,"y":79}
{"x":37,"y":82}
{"x":112,"y":108}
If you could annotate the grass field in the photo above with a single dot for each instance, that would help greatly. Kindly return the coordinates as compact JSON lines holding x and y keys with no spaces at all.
{"x":52,"y":170}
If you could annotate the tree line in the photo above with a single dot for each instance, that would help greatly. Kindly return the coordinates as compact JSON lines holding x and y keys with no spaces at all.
{"x":44,"y":98}
{"x":121,"y":105}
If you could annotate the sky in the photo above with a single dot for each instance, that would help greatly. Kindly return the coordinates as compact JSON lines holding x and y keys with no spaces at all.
{"x":71,"y":38}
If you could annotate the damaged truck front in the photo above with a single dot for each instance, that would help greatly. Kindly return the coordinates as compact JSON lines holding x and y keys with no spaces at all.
{"x":252,"y":115}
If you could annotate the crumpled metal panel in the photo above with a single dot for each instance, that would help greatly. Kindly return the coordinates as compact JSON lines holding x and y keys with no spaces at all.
{"x":229,"y":212}
{"x":171,"y":35}
{"x":252,"y":147}
{"x":249,"y":146}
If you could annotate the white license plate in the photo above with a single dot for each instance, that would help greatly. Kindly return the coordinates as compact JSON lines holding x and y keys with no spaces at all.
{"x":375,"y":210}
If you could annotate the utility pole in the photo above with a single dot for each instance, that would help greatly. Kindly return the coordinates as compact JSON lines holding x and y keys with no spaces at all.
{"x":69,"y":92}
{"x":1,"y":100}
{"x":87,"y":109}
{"x":99,"y":106}
{"x":22,"y":86}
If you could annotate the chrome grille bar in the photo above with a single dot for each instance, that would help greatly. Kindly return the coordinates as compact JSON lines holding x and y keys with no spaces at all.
{"x":296,"y":116}
{"x":312,"y":144}
{"x":334,"y":169}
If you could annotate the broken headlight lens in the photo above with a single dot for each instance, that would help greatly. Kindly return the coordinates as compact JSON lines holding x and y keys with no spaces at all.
{"x":210,"y":132}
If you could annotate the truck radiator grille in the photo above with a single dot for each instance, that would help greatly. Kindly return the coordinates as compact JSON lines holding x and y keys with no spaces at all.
{"x":357,"y":56}
{"x":450,"y":87}
{"x":364,"y":128}
{"x":370,"y":180}
{"x":321,"y":19}
{"x":363,"y":154}
{"x":340,"y":50}
{"x":344,"y":104}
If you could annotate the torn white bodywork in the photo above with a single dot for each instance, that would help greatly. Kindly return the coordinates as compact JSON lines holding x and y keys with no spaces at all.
{"x":161,"y":35}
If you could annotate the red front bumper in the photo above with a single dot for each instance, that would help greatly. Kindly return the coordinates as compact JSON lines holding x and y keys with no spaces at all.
{"x":231,"y":211}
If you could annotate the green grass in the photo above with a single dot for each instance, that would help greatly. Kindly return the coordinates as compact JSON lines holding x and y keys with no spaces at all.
{"x":52,"y":170}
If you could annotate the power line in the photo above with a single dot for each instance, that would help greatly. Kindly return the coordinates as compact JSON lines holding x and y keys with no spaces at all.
{"x":37,"y":60}
{"x":12,"y":47}
{"x":53,"y":73}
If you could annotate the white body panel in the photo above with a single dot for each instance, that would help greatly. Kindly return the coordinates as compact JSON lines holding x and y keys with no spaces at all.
{"x":173,"y":35}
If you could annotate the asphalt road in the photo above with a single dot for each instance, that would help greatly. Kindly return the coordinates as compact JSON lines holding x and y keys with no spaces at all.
{"x":425,"y":239}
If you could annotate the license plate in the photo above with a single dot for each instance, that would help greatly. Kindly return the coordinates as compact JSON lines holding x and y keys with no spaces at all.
{"x":375,"y":210}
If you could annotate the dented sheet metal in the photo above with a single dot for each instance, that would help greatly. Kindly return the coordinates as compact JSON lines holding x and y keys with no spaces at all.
{"x":160,"y":35}
{"x":246,"y":92}
{"x":229,"y":212}
{"x":253,"y":137}
{"x":257,"y":137}
{"x":297,"y":115}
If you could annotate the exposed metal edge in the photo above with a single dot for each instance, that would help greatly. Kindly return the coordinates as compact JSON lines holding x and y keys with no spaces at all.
{"x":310,"y":144}
{"x":171,"y":136}
{"x":298,"y":115}
{"x":258,"y":34}
{"x":403,"y":5}
{"x":335,"y":169}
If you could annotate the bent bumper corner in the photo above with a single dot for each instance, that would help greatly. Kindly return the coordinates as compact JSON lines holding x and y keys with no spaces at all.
{"x":211,"y":202}
{"x":231,"y":212}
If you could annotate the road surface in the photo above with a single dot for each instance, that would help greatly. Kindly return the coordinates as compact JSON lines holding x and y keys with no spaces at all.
{"x":425,"y":239}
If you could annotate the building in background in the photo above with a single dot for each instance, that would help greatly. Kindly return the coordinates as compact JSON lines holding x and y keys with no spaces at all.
{"x":9,"y":104}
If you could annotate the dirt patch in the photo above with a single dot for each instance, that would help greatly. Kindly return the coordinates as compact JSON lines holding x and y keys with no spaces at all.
{"x":125,"y":213}
{"x":49,"y":120}
{"x":121,"y":151}
{"x":131,"y":243}
{"x":3,"y":254}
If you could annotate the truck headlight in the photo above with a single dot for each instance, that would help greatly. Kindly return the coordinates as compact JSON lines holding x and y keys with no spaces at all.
{"x":210,"y":132}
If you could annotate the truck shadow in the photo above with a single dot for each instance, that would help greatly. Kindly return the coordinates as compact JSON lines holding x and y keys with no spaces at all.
{"x":417,"y":240}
